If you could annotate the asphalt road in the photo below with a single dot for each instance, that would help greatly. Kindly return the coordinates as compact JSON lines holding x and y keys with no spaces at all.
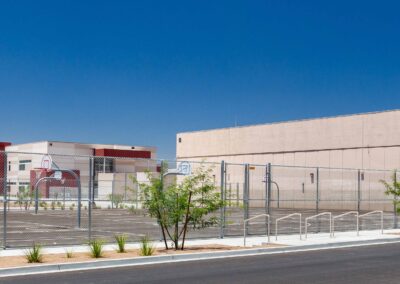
{"x":369,"y":264}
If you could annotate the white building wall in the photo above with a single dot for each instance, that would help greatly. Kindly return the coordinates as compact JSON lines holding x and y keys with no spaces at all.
{"x":365,"y":141}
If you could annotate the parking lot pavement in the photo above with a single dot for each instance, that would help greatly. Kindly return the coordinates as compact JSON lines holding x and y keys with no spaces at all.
{"x":59,"y":227}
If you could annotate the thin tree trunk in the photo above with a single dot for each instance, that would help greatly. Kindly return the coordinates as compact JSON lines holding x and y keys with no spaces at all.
{"x":162,"y":229}
{"x":164,"y":237}
{"x":186,"y":220}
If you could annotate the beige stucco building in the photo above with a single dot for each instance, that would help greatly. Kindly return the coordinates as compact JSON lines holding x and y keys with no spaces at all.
{"x":112,"y":167}
{"x":363,"y":142}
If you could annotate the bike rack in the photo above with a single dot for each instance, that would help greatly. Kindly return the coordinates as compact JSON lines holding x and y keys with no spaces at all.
{"x":285,"y":217}
{"x":342,"y":215}
{"x":315,"y":216}
{"x":374,"y":212}
{"x":252,"y":218}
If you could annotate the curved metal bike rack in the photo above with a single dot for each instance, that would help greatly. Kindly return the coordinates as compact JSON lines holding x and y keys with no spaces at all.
{"x":255,"y":217}
{"x":342,"y":215}
{"x":286,"y":217}
{"x":315,"y":216}
{"x":374,"y":212}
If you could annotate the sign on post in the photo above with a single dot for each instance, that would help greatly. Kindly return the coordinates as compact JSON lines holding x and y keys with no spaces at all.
{"x":184,"y":168}
{"x":47,"y":162}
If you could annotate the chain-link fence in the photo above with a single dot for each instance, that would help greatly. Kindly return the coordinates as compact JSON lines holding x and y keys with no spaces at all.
{"x":79,"y":198}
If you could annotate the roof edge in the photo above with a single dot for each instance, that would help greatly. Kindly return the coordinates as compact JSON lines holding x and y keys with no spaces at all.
{"x":289,"y":121}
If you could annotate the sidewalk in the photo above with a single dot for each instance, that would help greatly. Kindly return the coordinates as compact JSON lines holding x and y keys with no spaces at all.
{"x":255,"y":246}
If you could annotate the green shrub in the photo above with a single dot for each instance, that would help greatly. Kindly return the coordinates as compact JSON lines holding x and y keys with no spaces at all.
{"x":121,"y":241}
{"x":146,"y":247}
{"x":34,"y":254}
{"x":96,"y":248}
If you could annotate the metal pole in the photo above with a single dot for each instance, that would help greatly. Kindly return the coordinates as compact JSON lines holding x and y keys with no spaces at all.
{"x":358,"y":190}
{"x":222,"y":210}
{"x":5,"y":190}
{"x":266,"y":196}
{"x":317,"y":194}
{"x":317,"y":201}
{"x":161,"y":189}
{"x":269,"y":168}
{"x":246,"y":196}
{"x":395,"y":204}
{"x":79,"y":200}
{"x":125,"y":186}
{"x":90,"y":198}
{"x":112,"y":192}
{"x":36,"y":200}
{"x":225,"y":203}
{"x":237,"y":194}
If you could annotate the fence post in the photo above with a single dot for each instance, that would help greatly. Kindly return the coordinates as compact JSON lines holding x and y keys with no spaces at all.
{"x":317,"y":195}
{"x":266,"y":198}
{"x":222,"y":210}
{"x":5,"y":190}
{"x":358,"y":190}
{"x":269,"y":189}
{"x":246,"y":197}
{"x":36,"y":200}
{"x":90,"y":198}
{"x":317,"y":200}
{"x":237,"y":194}
{"x":395,"y":205}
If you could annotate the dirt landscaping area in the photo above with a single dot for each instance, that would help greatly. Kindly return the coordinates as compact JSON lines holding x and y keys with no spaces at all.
{"x":19,"y":261}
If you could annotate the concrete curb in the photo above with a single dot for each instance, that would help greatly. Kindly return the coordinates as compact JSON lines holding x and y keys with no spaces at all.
{"x":99,"y":264}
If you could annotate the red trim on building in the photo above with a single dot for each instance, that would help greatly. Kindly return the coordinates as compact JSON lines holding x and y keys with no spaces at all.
{"x":44,"y":187}
{"x":3,"y":146}
{"x":122,"y":153}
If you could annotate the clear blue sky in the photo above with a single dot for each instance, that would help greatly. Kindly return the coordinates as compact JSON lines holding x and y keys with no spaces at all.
{"x":138,"y":72}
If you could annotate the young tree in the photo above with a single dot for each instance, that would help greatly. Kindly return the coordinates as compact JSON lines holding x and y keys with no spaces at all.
{"x":393,"y":188}
{"x":116,"y":199}
{"x":181,"y":206}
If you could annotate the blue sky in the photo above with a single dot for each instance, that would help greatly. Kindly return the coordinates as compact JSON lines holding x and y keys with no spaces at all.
{"x":138,"y":72}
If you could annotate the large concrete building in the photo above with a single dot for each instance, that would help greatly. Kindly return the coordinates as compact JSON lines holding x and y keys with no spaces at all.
{"x":326,"y":163}
{"x":362,"y":141}
{"x":113,"y":165}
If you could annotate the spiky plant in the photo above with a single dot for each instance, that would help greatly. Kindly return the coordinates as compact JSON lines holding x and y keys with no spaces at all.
{"x":34,"y":254}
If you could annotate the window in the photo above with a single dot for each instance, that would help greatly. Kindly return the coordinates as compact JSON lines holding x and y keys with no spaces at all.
{"x":105,"y":165}
{"x":23,"y":164}
{"x":101,"y":165}
{"x":179,"y":139}
{"x":9,"y":166}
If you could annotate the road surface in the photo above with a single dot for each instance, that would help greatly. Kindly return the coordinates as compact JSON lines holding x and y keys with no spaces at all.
{"x":364,"y":265}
